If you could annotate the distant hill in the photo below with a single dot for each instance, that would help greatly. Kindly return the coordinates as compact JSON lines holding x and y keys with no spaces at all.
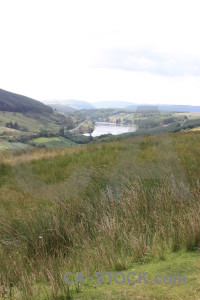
{"x":112,"y":104}
{"x":76,"y":104}
{"x":163,"y":107}
{"x":148,"y":108}
{"x":63,"y":108}
{"x":12,"y":102}
{"x":180,"y":108}
{"x":135,"y":106}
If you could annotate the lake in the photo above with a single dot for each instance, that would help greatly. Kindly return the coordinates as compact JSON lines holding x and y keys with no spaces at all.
{"x":106,"y":128}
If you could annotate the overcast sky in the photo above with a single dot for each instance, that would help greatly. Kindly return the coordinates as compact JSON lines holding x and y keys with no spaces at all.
{"x":143,"y":51}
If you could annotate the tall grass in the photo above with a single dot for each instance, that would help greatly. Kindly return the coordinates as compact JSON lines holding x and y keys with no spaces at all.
{"x":139,"y":201}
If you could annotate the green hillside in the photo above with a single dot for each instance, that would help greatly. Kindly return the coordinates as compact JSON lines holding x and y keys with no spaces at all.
{"x":35,"y":122}
{"x":23,"y":127}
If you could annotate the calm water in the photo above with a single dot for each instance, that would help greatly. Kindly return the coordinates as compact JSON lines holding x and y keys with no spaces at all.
{"x":105,"y":128}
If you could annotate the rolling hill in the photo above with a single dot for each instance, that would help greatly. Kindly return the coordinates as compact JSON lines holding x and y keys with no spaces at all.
{"x":72,"y":103}
{"x":12,"y":102}
{"x":63,"y":108}
{"x":165,"y":107}
{"x":112,"y":104}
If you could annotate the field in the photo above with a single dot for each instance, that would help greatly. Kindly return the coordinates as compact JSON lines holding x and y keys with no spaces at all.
{"x":126,"y":205}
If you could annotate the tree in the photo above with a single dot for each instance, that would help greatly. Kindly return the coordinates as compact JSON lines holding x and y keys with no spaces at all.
{"x":70,"y":123}
{"x":16,"y":126}
{"x":10,"y":125}
{"x":62,"y":131}
{"x":118,"y":121}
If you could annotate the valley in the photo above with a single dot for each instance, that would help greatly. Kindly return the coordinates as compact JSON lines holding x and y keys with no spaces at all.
{"x":113,"y":190}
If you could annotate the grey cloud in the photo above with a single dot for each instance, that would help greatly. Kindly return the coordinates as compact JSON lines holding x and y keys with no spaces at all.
{"x":152,"y":61}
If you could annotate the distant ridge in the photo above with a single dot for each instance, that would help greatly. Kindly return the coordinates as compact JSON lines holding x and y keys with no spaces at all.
{"x":79,"y":104}
{"x":73,"y":103}
{"x":165,"y":107}
{"x":150,"y":107}
{"x":17,"y":103}
{"x":63,"y":108}
{"x":112,"y":104}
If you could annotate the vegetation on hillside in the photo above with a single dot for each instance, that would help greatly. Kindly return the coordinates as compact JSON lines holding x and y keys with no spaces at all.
{"x":24,"y":128}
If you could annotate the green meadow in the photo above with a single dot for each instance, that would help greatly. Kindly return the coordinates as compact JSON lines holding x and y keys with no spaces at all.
{"x":126,"y":205}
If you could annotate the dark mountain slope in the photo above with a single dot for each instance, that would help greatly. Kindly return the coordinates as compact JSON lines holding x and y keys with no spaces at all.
{"x":17,"y":103}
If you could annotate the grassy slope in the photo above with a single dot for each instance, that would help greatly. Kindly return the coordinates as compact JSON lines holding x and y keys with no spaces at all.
{"x":34,"y":122}
{"x":97,"y":207}
{"x":4,"y":145}
{"x":53,"y":142}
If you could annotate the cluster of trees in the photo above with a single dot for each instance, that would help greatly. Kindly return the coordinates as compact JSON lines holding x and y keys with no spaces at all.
{"x":78,"y":138}
{"x":189,"y":124}
{"x":127,"y":122}
{"x":99,"y":114}
{"x":12,"y":125}
{"x":62,"y":131}
{"x":168,"y":121}
{"x":70,"y":123}
{"x":118,"y":121}
{"x":147,"y":123}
